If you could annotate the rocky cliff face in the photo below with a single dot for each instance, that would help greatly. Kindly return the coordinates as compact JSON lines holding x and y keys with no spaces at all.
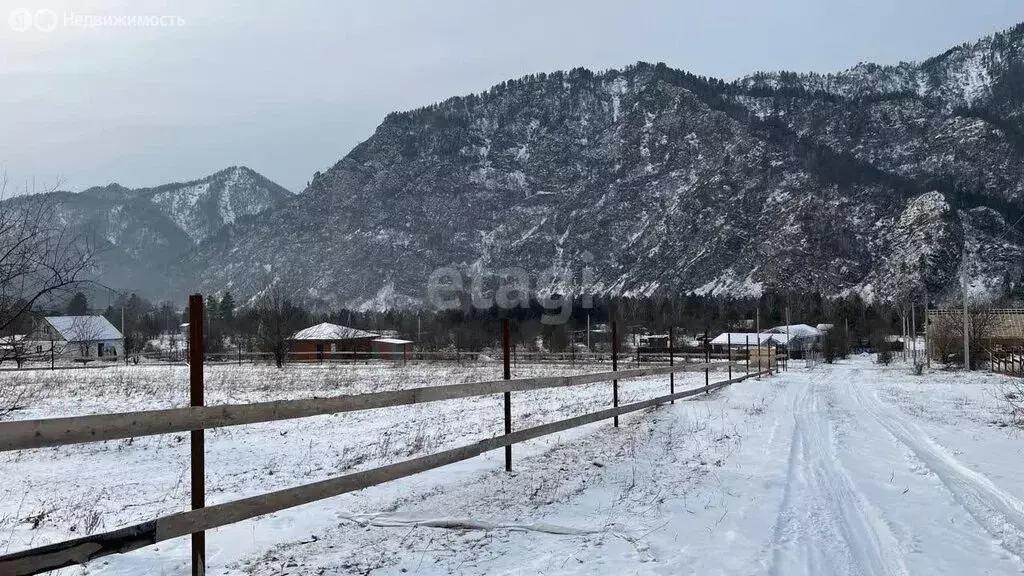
{"x":631,"y":181}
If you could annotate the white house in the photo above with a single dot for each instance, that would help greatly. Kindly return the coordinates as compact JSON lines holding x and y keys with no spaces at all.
{"x":748,"y":339}
{"x":79,"y":337}
{"x":802,"y":338}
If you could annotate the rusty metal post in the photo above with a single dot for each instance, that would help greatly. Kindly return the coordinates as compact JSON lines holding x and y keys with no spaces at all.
{"x":198,"y":448}
{"x":615,"y":368}
{"x":506,"y":358}
{"x":671,"y":362}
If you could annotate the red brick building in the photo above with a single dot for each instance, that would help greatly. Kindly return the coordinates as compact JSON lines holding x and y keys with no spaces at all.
{"x":328,"y":341}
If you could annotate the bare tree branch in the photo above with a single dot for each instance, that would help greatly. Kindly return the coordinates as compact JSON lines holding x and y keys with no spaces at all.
{"x":42,"y":256}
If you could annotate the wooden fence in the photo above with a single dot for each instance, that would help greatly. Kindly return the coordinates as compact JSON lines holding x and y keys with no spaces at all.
{"x":452,"y":356}
{"x":1008,"y":361}
{"x":31,"y":434}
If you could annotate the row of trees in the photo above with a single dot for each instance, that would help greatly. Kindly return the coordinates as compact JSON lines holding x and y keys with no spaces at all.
{"x":265,"y":324}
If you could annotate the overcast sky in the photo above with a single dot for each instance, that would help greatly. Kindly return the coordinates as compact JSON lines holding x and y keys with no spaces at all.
{"x":289,"y":87}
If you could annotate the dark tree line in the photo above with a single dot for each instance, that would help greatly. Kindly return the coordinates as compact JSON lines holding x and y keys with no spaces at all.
{"x":266,"y":324}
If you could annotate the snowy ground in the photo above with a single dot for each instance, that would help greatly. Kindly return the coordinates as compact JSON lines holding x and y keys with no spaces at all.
{"x":112,"y":484}
{"x":846,"y":469}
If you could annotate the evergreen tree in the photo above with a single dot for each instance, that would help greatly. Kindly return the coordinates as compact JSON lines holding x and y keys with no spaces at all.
{"x":79,"y":305}
{"x":214,"y":325}
{"x":227,"y":310}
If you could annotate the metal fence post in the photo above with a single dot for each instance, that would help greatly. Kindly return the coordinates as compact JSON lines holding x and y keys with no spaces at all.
{"x":707,"y":362}
{"x":728,"y":344}
{"x":746,"y":348}
{"x":195,"y":373}
{"x":671,"y":362}
{"x":758,"y":355}
{"x":615,"y":368}
{"x":508,"y":395}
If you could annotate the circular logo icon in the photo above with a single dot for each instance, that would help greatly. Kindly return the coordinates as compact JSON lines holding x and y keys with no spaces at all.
{"x":20,"y":19}
{"x":46,"y":20}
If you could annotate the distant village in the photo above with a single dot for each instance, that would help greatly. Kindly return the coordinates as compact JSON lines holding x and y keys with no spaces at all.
{"x":131,"y":330}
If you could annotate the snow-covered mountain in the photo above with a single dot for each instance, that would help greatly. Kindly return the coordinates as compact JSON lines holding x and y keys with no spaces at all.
{"x":201,"y":207}
{"x":870,"y":180}
{"x":142,"y":234}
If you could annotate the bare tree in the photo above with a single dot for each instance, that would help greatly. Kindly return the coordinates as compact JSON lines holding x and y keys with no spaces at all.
{"x":278,"y":318}
{"x":947,"y":335}
{"x":14,"y":347}
{"x":41,"y":257}
{"x":87,"y":333}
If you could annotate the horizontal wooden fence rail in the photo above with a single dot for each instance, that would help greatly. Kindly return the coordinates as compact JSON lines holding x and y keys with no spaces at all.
{"x":81,"y":550}
{"x":229,"y":356}
{"x":45,"y":433}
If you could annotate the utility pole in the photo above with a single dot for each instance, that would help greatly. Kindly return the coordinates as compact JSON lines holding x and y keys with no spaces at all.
{"x":927,"y":320}
{"x":846,"y":334}
{"x":588,"y":333}
{"x":787,"y":332}
{"x":903,"y":322}
{"x":124,"y":350}
{"x":967,"y":337}
{"x":913,"y":328}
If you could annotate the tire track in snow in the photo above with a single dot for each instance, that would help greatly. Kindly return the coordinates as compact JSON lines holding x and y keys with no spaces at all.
{"x":999,"y":513}
{"x":825,"y":525}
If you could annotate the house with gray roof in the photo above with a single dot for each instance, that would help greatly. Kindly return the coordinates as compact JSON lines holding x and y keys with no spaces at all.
{"x":78,"y":337}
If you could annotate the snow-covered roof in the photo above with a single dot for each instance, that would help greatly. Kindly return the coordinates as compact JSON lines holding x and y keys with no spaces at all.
{"x":825,"y":327}
{"x":741,"y":339}
{"x":84,"y":328}
{"x":392,"y":341}
{"x":796,"y":331}
{"x":328,"y":331}
{"x":8,"y":342}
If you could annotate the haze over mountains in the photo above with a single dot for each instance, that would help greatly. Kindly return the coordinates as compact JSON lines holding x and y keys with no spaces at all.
{"x":870,"y":180}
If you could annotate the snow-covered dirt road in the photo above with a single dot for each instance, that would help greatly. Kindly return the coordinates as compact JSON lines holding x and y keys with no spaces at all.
{"x":851,"y":469}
